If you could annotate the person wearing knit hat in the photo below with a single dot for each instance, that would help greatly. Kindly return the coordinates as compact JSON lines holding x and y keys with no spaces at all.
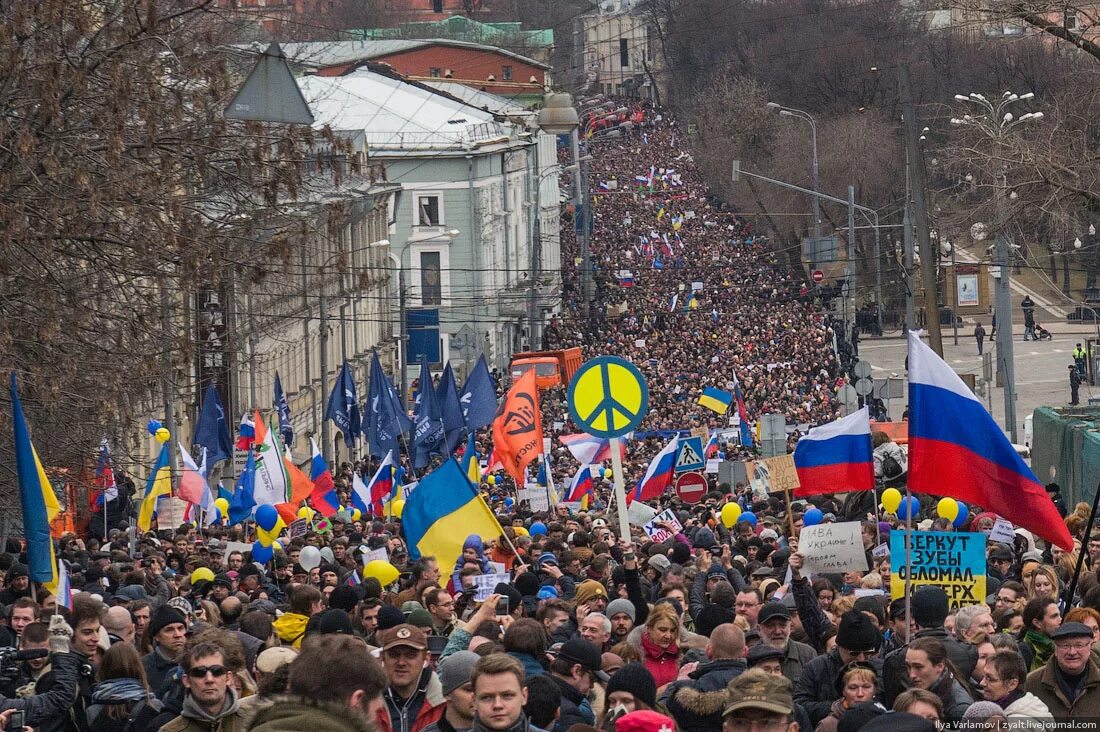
{"x":623,"y":615}
{"x":644,"y":721}
{"x":983,"y":711}
{"x":454,"y":675}
{"x":633,"y":687}
{"x":168,"y":630}
{"x":856,"y":639}
{"x":592,"y":595}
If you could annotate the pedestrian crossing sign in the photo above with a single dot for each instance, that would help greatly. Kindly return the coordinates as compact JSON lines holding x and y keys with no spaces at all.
{"x":690,"y":456}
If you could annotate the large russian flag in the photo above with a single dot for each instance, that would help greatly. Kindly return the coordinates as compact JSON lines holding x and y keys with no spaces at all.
{"x":323,"y":498}
{"x":658,"y":476}
{"x":957,"y":450}
{"x":836,"y":457}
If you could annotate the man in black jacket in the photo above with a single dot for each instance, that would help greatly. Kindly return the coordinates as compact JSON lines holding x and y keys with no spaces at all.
{"x":929,"y":607}
{"x":65,"y":667}
{"x":856,"y":640}
{"x":696,"y":702}
{"x":577,"y":662}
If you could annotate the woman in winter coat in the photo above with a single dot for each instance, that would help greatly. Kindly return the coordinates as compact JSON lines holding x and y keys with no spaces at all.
{"x":858,"y":683}
{"x":887,"y":470}
{"x":660,"y":650}
{"x":1002,"y":682}
{"x":121,"y":700}
{"x":929,"y":668}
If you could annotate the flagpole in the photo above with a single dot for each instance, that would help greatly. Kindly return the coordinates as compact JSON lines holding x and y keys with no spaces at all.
{"x":908,"y":562}
{"x":620,"y":490}
{"x":1084,"y":548}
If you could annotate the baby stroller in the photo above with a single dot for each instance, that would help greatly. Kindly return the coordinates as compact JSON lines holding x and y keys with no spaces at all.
{"x":1042,"y":333}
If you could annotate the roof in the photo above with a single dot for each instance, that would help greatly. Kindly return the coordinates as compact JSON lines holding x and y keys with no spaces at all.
{"x":400,"y":118}
{"x":481,"y":99}
{"x":323,"y":54}
{"x":467,"y":29}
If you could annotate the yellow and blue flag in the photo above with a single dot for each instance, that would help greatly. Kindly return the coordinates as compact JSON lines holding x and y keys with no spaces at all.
{"x":471,"y":464}
{"x":158,"y":486}
{"x":442,"y":512}
{"x":716,"y":400}
{"x":40,"y":505}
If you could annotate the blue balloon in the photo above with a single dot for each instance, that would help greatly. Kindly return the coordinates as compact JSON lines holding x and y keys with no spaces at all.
{"x":964,"y":514}
{"x":261,"y":553}
{"x":537,"y":529}
{"x":152,"y":426}
{"x":748,"y":516}
{"x":909,"y":508}
{"x":813,"y":517}
{"x":509,"y":501}
{"x":267,"y":517}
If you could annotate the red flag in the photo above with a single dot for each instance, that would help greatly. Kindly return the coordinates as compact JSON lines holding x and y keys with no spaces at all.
{"x":517,"y":429}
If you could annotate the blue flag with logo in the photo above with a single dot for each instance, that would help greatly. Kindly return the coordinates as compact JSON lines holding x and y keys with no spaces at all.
{"x":385,"y":419}
{"x":454,"y":423}
{"x":244,"y":499}
{"x":428,"y":435}
{"x":282,"y":407}
{"x":343,"y":406}
{"x":479,"y":397}
{"x":212,"y":431}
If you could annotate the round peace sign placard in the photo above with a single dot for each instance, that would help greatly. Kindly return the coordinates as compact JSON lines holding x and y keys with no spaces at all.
{"x":608,"y":397}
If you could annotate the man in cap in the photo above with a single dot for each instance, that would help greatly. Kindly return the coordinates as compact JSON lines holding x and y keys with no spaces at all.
{"x":759,"y":701}
{"x":622,"y":614}
{"x":999,"y":562}
{"x":774,"y":624}
{"x":574,"y":669}
{"x":590,"y":597}
{"x":929,"y":609}
{"x":413,"y":695}
{"x":455,"y":673}
{"x":856,"y":640}
{"x":766,"y":658}
{"x":696,"y":702}
{"x":1069,"y":683}
{"x":168,"y":629}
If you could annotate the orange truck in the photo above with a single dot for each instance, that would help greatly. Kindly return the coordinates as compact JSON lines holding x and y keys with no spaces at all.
{"x":552,"y":368}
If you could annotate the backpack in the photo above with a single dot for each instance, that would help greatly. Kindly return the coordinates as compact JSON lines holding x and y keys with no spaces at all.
{"x":891,"y":468}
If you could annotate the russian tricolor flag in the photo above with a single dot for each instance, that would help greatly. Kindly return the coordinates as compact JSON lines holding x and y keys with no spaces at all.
{"x":587,"y":449}
{"x":371,"y":498}
{"x":836,"y":457}
{"x":711,"y":448}
{"x":658,"y":476}
{"x":323,"y":498}
{"x":957,"y":450}
{"x":581,"y":485}
{"x":246,"y":433}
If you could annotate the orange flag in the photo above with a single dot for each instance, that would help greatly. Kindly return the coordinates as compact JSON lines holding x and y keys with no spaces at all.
{"x":517,"y":429}
{"x":260,"y":427}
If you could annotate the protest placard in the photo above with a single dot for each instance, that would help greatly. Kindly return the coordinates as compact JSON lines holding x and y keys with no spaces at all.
{"x":376,"y":554}
{"x":832,"y":548}
{"x":639,"y":514}
{"x":484,"y":584}
{"x":1003,"y":532}
{"x":663,"y":533}
{"x":955,"y":562}
{"x":538,"y":498}
{"x":297,"y":527}
{"x":235,"y":546}
{"x":774,"y":474}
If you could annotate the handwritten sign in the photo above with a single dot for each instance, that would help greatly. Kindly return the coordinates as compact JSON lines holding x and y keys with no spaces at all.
{"x":955,"y":562}
{"x":484,"y":584}
{"x":662,"y":533}
{"x":1003,"y":532}
{"x":373,"y":554}
{"x":298,"y":527}
{"x":538,"y":498}
{"x":774,"y":474}
{"x":832,"y":548}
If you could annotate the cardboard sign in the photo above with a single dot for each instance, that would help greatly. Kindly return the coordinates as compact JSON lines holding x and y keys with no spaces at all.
{"x":1003,"y":532}
{"x":712,"y":466}
{"x":484,"y":584}
{"x":298,"y":527}
{"x":882,"y":550}
{"x":538,"y":498}
{"x":953,"y":561}
{"x":376,"y":554}
{"x":774,"y":474}
{"x":832,"y":548}
{"x":640,"y":514}
{"x":235,"y":546}
{"x":660,"y":533}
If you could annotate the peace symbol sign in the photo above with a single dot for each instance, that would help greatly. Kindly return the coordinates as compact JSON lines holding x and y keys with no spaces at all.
{"x":608,"y":397}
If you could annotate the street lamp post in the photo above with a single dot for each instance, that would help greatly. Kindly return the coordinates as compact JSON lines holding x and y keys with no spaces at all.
{"x":803,"y":115}
{"x":948,"y":248}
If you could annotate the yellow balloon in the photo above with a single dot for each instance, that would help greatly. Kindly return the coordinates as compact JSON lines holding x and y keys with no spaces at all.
{"x":356,"y":514}
{"x":202,"y":573}
{"x":267,"y":538}
{"x":520,"y":531}
{"x":891,"y":499}
{"x":397,"y":507}
{"x":491,"y":480}
{"x":305,"y":512}
{"x":730,"y":513}
{"x":222,"y":505}
{"x":382,"y":571}
{"x":163,"y":435}
{"x":948,"y":508}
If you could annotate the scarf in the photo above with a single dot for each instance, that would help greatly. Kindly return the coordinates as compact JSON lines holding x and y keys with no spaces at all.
{"x":119,"y":691}
{"x":192,"y":710}
{"x":1043,"y":647}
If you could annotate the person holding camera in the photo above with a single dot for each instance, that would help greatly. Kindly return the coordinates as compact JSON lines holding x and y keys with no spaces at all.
{"x":46,"y":709}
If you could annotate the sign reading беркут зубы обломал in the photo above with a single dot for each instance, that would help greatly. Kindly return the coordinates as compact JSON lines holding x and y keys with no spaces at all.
{"x":955,"y":562}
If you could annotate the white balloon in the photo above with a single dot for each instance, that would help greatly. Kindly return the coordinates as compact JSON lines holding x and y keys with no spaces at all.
{"x":309,"y":557}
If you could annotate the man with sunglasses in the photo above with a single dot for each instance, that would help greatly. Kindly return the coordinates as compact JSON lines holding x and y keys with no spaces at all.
{"x":857,"y":639}
{"x":210,"y":702}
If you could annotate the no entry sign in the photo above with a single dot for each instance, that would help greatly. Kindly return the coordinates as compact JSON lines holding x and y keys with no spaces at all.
{"x":691,"y":487}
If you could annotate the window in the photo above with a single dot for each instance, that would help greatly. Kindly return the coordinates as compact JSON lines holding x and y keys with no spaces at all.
{"x":1070,"y":21}
{"x":506,"y":73}
{"x":435,"y":73}
{"x":624,"y":54}
{"x":427,"y":211}
{"x":431,"y":280}
{"x":437,"y":6}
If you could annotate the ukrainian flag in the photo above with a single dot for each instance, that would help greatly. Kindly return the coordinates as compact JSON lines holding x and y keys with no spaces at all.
{"x":444,"y":509}
{"x":158,"y":486}
{"x":40,"y":505}
{"x":471,"y":464}
{"x":716,"y":400}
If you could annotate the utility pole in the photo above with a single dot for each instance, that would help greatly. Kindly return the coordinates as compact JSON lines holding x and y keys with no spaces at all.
{"x":927,"y":256}
{"x":1003,"y":302}
{"x":166,"y":380}
{"x":326,"y":443}
{"x":907,"y":254}
{"x":403,"y":346}
{"x":580,"y":199}
{"x":852,"y":274}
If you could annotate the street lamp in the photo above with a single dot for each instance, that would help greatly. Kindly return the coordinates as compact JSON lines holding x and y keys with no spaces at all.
{"x":947,"y":248}
{"x":800,"y":114}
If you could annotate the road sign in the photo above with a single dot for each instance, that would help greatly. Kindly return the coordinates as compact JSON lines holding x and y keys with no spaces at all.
{"x":818,"y":276}
{"x":861,"y":369}
{"x":691,"y":487}
{"x":864,"y":386}
{"x":608,"y":397}
{"x":690,"y":456}
{"x":849,"y":397}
